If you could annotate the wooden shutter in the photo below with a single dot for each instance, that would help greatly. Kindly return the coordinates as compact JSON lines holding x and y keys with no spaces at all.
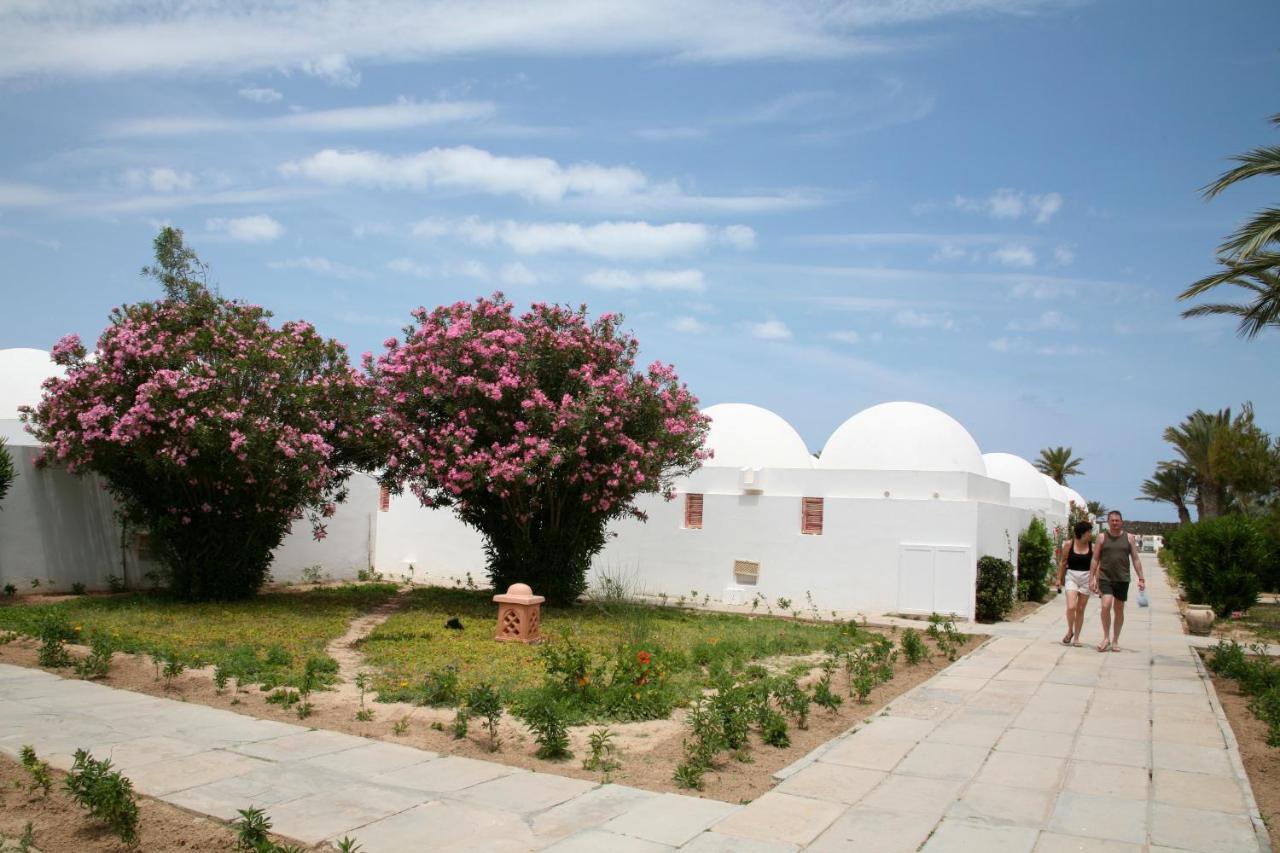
{"x":693,"y":511}
{"x":811,"y":515}
{"x":384,"y":499}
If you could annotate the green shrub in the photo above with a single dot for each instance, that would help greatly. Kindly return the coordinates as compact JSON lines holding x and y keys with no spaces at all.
{"x":1035,"y":561}
{"x":995,"y":589}
{"x":546,"y":721}
{"x":1266,"y":707}
{"x":913,"y":648}
{"x":1221,"y":561}
{"x":106,"y":793}
{"x":485,"y":702}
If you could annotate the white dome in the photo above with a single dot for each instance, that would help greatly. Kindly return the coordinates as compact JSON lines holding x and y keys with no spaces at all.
{"x":1055,"y":491}
{"x":1025,"y":482}
{"x":746,"y":436}
{"x":21,"y":373}
{"x":1075,"y":497}
{"x":902,"y":437}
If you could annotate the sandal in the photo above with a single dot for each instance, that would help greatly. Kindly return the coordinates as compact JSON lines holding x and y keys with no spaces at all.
{"x":1115,"y":648}
{"x":1077,"y":644}
{"x":1105,"y":647}
{"x":1066,"y":641}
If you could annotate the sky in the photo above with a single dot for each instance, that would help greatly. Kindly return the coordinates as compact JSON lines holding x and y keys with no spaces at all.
{"x":987,"y":206}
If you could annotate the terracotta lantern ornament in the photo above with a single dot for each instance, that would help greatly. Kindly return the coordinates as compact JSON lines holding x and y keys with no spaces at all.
{"x":519,"y":615}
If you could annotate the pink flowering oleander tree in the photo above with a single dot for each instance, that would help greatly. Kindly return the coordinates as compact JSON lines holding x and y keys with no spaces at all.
{"x":536,"y":429}
{"x":212,"y":429}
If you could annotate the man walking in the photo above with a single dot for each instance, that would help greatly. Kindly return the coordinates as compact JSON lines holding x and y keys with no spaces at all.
{"x":1109,"y":576}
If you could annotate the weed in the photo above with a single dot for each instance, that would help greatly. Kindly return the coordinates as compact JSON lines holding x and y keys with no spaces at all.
{"x":78,"y":588}
{"x":348,"y":845}
{"x":98,"y":662}
{"x":460,"y":723}
{"x":913,"y":648}
{"x":369,"y":574}
{"x":54,"y":633}
{"x":10,"y":590}
{"x":277,"y":656}
{"x":784,"y":604}
{"x":362,"y":684}
{"x":773,"y":728}
{"x":400,"y":726}
{"x":284,"y":697}
{"x":824,"y":696}
{"x":364,"y":715}
{"x":220,"y":677}
{"x":439,"y":688}
{"x":35,"y":583}
{"x":304,"y":710}
{"x":38,"y":771}
{"x":106,"y":793}
{"x":251,"y":830}
{"x":115,"y":583}
{"x":7,"y":637}
{"x":603,"y":752}
{"x":546,"y":720}
{"x":27,"y":840}
{"x":483,"y":701}
{"x":311,"y":574}
{"x":173,"y":667}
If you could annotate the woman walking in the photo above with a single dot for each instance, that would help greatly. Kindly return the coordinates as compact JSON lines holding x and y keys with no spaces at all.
{"x":1073,"y":567}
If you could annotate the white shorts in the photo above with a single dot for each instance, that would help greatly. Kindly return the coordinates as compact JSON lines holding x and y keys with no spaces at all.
{"x":1077,"y":582}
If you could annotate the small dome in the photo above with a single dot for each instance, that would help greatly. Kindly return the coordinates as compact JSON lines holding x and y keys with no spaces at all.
{"x":746,"y":436}
{"x":22,"y":371}
{"x":1025,"y":482}
{"x":1057,"y":492}
{"x":1075,"y":497}
{"x":902,"y":437}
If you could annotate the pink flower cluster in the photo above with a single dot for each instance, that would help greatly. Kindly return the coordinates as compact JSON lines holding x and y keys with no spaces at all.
{"x":480,"y":406}
{"x":205,"y":402}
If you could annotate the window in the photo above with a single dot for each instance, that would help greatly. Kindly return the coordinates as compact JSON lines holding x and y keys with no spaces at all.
{"x":384,"y":499}
{"x":693,"y":512}
{"x":811,"y":516}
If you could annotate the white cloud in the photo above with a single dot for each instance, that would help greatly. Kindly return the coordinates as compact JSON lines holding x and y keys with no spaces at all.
{"x":321,"y":266}
{"x":999,"y":344}
{"x":89,"y":38}
{"x":1049,"y":321}
{"x":1014,"y":255}
{"x":1057,"y":350}
{"x":1042,"y":289}
{"x":28,"y":195}
{"x":455,"y":269}
{"x":260,"y":94}
{"x":616,"y":240}
{"x":465,"y":168}
{"x":688,"y":325}
{"x":739,"y":236}
{"x":770,"y":330}
{"x":912,"y":319}
{"x":401,"y":114}
{"x":1007,"y":203}
{"x":1062,"y":256}
{"x":468,"y":169}
{"x":615,"y":279}
{"x":846,"y":336}
{"x":518,"y":274}
{"x":247,"y":229}
{"x":333,"y":68}
{"x":161,"y":179}
{"x":668,"y":134}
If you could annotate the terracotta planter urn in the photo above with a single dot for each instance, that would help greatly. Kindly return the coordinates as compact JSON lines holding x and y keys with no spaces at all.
{"x":1199,"y":619}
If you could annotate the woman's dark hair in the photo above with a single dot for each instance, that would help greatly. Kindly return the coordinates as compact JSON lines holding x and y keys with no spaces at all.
{"x":1082,"y":527}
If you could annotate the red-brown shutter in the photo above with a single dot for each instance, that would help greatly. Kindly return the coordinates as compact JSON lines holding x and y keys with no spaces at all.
{"x":811,"y":516}
{"x":384,"y":499}
{"x":693,"y":511}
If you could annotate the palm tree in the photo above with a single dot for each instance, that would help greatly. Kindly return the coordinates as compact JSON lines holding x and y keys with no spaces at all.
{"x":1193,"y":439}
{"x":1057,"y":463}
{"x":1097,"y":508}
{"x":1170,"y":484}
{"x":1251,"y":255}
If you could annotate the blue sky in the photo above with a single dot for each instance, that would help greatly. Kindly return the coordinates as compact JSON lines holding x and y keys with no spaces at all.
{"x":988,"y":206}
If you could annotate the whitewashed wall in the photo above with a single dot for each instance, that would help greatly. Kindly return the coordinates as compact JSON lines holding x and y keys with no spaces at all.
{"x":61,"y":528}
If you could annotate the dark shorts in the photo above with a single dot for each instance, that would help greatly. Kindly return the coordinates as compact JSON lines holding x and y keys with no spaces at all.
{"x":1117,"y":589}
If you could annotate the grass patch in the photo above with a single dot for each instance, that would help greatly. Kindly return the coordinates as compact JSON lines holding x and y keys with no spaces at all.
{"x":601,"y":663}
{"x":1264,"y":621}
{"x":266,"y":639}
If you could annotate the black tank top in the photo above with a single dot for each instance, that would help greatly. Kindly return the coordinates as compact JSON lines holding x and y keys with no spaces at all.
{"x":1078,"y":562}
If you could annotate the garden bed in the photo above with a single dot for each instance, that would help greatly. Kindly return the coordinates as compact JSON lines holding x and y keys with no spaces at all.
{"x":692,"y":648}
{"x":1258,"y":624}
{"x":1261,"y":762}
{"x":59,"y":825}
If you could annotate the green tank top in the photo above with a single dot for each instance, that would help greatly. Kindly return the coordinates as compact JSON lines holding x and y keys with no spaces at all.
{"x":1114,"y":563}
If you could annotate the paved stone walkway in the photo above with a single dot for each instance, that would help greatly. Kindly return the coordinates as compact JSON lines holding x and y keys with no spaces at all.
{"x":1024,"y":745}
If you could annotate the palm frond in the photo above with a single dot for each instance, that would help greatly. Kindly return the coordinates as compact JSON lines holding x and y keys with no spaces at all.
{"x":1255,"y":235}
{"x":1259,"y":161}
